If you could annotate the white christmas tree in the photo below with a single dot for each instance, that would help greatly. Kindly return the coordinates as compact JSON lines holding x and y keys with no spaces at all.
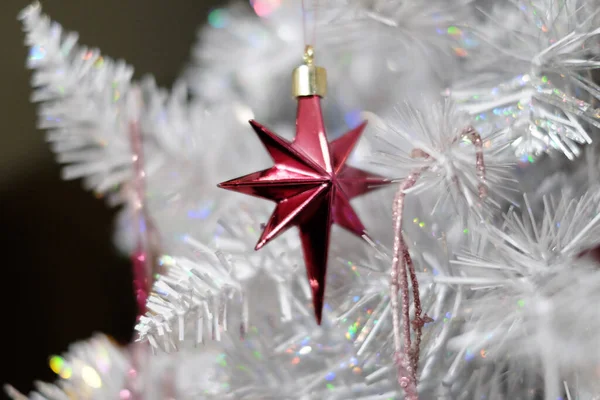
{"x":476,"y":280}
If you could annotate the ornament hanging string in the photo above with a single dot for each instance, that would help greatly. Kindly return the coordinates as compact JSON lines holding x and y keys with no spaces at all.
{"x":309,"y":42}
{"x":406,"y":351}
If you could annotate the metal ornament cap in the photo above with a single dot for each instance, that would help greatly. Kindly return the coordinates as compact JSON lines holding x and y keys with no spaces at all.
{"x":309,"y":79}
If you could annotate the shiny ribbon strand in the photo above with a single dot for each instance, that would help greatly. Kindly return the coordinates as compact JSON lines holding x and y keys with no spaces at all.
{"x":407,"y":352}
{"x":145,"y":257}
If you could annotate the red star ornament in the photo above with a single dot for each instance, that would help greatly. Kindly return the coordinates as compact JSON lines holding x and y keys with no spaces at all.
{"x":312,"y":186}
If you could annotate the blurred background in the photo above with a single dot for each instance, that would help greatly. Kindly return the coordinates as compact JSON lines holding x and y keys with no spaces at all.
{"x":63,"y":279}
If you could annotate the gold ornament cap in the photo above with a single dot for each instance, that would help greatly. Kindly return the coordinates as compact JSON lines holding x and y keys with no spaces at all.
{"x":308,"y":79}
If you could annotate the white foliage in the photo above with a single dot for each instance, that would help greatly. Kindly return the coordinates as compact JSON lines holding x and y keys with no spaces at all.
{"x":200,"y":146}
{"x":194,"y":137}
{"x":98,"y":369}
{"x":270,"y":47}
{"x":83,"y":100}
{"x":400,"y":26}
{"x":431,"y":139}
{"x":366,"y":312}
{"x":528,"y":308}
{"x":536,"y":78}
{"x":391,"y":51}
{"x":289,"y":359}
{"x":513,"y":317}
{"x":191,"y":296}
{"x":206,"y":293}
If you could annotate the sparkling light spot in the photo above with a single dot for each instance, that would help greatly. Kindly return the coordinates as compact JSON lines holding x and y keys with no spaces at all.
{"x":91,"y":377}
{"x":66,"y":373}
{"x":295,"y":360}
{"x":330,"y":386}
{"x":263,"y":8}
{"x":483,"y":353}
{"x":166,"y":260}
{"x":124,"y":394}
{"x":59,"y":366}
{"x":545,"y":79}
{"x":305,"y":350}
{"x":330,"y":376}
{"x":353,"y":118}
{"x":352,"y":329}
{"x":469,"y":355}
{"x":521,"y":303}
{"x":221,"y":360}
{"x":37,"y":53}
{"x":217,"y":18}
{"x":447,"y":317}
{"x":56,"y":364}
{"x":459,"y":51}
{"x":523,"y":159}
{"x":470,"y":42}
{"x":453,"y":30}
{"x":202,"y":213}
{"x":99,"y":62}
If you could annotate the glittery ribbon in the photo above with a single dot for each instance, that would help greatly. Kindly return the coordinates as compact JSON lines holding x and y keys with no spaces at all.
{"x":471,"y":134}
{"x":144,"y":258}
{"x":407,"y":352}
{"x":407,"y":360}
{"x":134,"y":388}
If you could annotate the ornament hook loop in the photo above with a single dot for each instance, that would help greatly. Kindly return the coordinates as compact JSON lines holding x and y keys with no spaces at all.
{"x":308,"y":79}
{"x":309,"y":55}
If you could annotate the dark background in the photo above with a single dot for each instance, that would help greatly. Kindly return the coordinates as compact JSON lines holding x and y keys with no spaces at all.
{"x":62,"y":279}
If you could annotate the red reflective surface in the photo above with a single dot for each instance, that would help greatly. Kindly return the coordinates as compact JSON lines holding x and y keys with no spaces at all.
{"x":312,"y":187}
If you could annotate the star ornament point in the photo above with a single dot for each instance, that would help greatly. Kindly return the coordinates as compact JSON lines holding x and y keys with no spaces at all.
{"x":312,"y":187}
